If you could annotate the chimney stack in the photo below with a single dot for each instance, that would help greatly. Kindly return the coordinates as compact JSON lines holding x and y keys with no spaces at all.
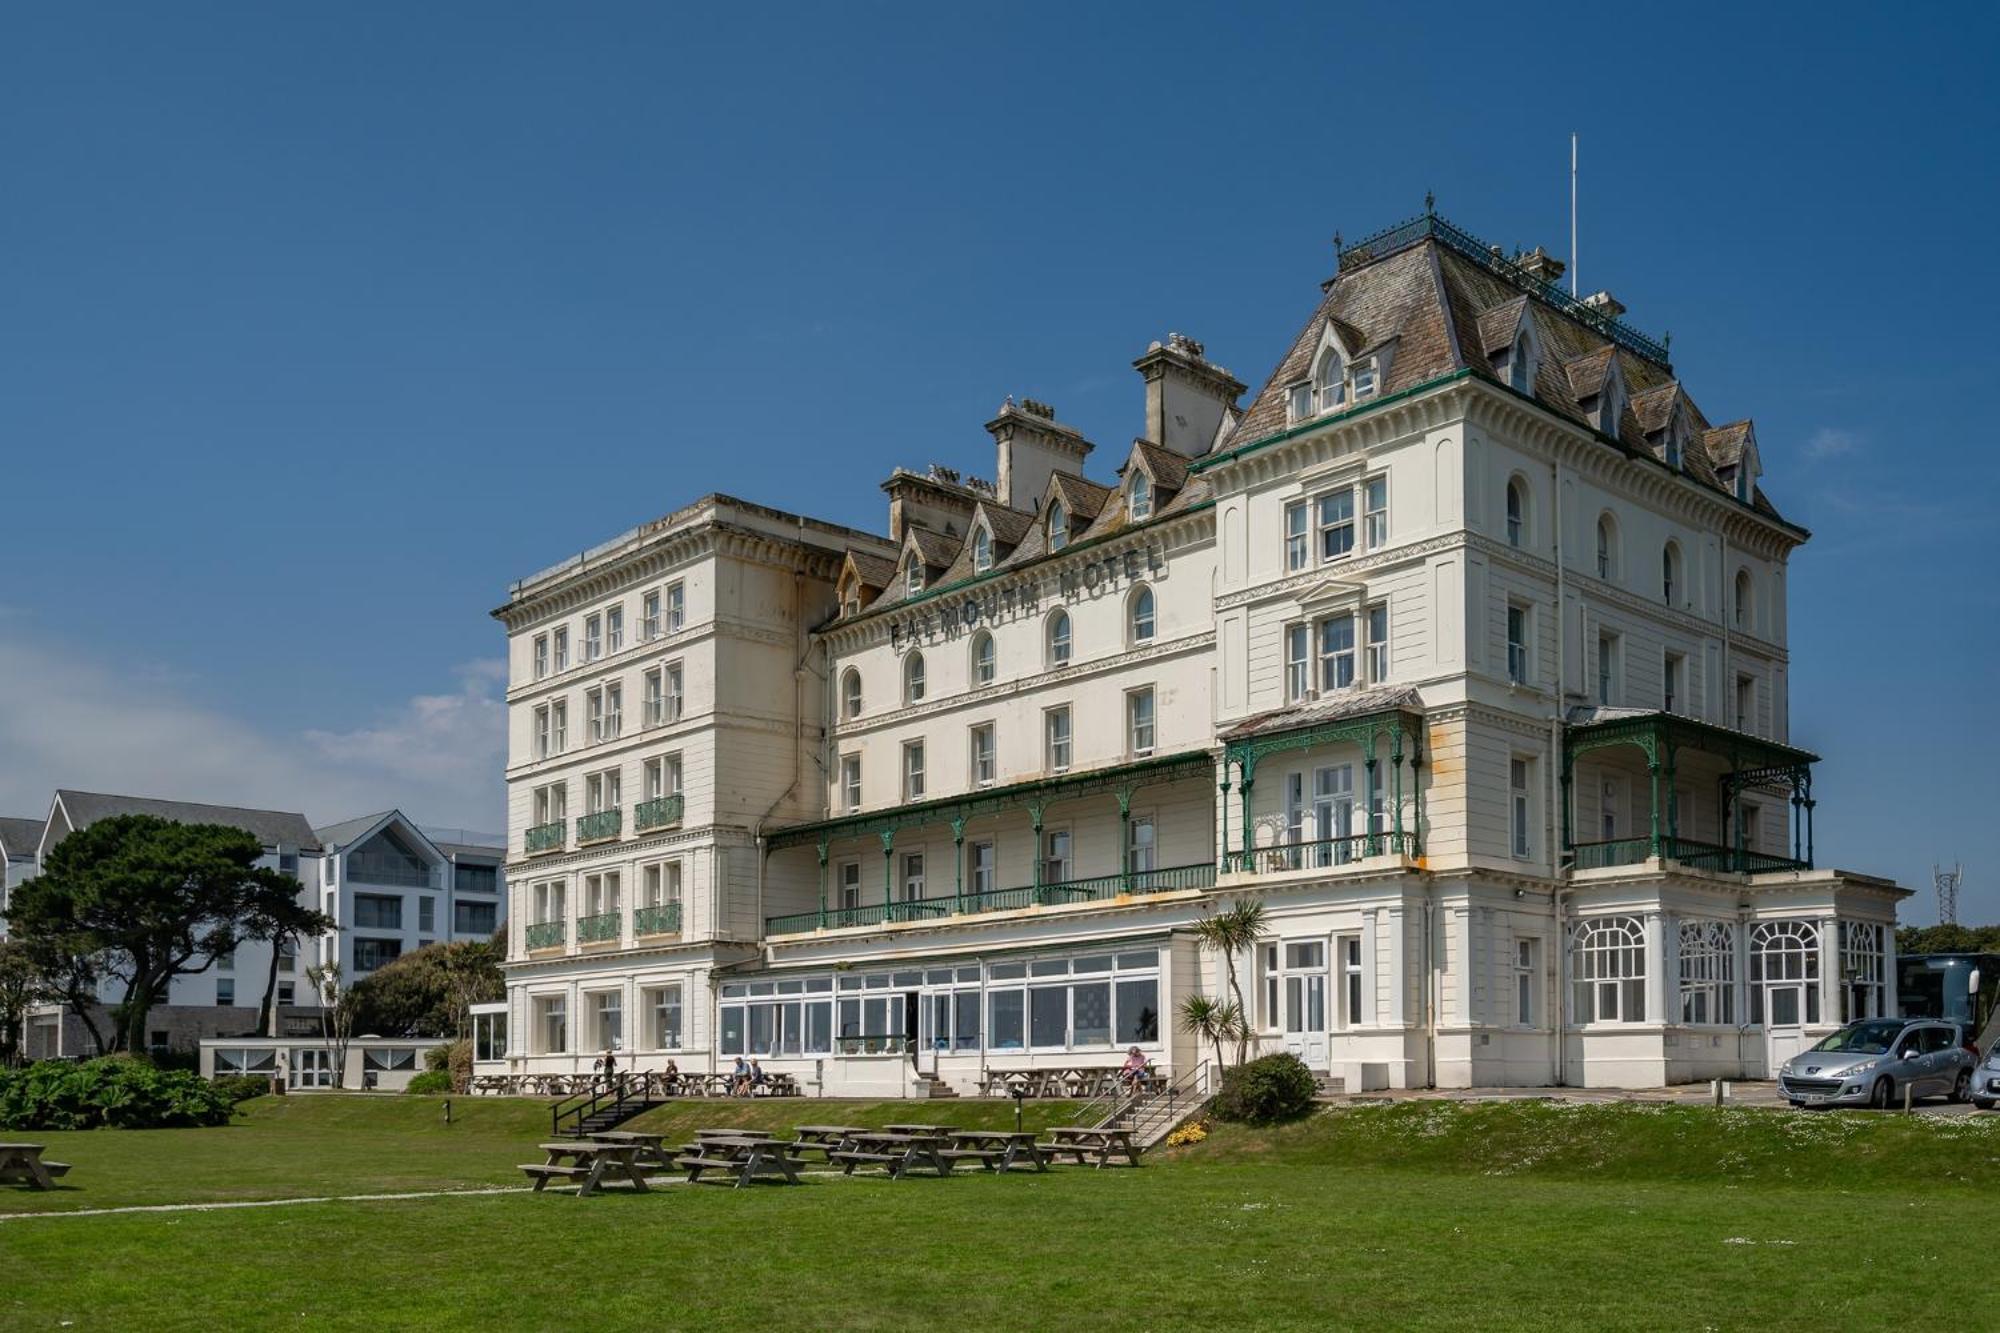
{"x":1604,"y":303}
{"x":1188,"y":397}
{"x":1539,"y":263}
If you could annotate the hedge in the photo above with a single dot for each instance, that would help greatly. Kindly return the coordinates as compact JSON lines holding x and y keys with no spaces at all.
{"x":112,"y":1093}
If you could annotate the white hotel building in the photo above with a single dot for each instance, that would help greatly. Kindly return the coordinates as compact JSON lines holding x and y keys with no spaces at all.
{"x":1461,"y":648}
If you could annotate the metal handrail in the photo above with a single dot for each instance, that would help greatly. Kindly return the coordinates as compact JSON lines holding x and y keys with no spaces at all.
{"x":1318,"y":853}
{"x":545,"y":837}
{"x":598,"y":927}
{"x":545,"y":934}
{"x":1098,"y":888}
{"x":660,"y":919}
{"x":598,"y":826}
{"x":661,"y":812}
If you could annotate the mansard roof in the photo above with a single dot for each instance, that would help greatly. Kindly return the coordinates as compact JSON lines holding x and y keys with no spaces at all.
{"x":1451,"y":304}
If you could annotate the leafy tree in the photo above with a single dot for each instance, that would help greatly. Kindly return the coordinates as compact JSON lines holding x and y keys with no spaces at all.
{"x":144,"y":900}
{"x":274,"y":915}
{"x":427,"y":993}
{"x":337,"y":1022}
{"x":1948,"y":939}
{"x":20,"y":987}
{"x":1230,"y":933}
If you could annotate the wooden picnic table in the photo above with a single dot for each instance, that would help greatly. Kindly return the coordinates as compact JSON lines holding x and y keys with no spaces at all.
{"x":652,"y":1147}
{"x":895,"y":1152}
{"x":21,"y":1163}
{"x":1003,"y":1149}
{"x":918,"y":1129}
{"x":588,"y":1161}
{"x":744,"y":1158}
{"x":826,"y":1139}
{"x":730,"y":1132}
{"x":1085,"y":1142}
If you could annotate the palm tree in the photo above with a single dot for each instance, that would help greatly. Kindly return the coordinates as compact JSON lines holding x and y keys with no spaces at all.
{"x":1211,"y":1020}
{"x":1229,"y":933}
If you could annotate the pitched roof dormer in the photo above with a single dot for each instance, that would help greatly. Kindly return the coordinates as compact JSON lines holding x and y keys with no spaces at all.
{"x":1732,"y":449}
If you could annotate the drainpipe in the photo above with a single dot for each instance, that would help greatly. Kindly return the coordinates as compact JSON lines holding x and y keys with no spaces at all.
{"x":1558,"y":864}
{"x":800,"y":668}
{"x":1430,"y":989}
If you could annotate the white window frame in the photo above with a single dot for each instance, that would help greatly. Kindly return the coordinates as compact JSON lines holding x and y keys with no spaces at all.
{"x":1141,"y":722}
{"x":1298,"y":535}
{"x":985,"y":659}
{"x":1521,"y":807}
{"x":913,"y":677}
{"x":1374,"y":516}
{"x":850,"y":782}
{"x":1058,"y":637}
{"x":676,"y":606}
{"x":1058,"y":739}
{"x":1142,"y":614}
{"x":1376,"y":618}
{"x":983,"y":758}
{"x":649,"y":616}
{"x":913,"y":770}
{"x":1141,"y":503}
{"x":850,"y":694}
{"x":1521,"y":647}
{"x":1608,"y":969}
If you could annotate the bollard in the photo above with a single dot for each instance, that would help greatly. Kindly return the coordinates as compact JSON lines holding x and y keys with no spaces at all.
{"x":447,"y":1110}
{"x":1908,"y":1088}
{"x":1715,"y":1090}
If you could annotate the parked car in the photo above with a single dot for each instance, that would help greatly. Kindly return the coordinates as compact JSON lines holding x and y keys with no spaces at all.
{"x":1986,"y":1081}
{"x":1871,"y":1062}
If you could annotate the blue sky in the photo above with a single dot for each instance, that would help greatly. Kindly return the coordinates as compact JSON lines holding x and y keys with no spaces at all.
{"x":317,"y":326}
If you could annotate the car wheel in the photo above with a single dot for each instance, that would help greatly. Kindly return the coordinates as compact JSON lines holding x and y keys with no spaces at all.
{"x":1962,"y":1090}
{"x":1981,"y":1104}
{"x":1884,"y":1095}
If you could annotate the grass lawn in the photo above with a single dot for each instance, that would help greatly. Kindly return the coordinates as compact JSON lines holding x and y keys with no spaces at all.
{"x":1420,"y":1214}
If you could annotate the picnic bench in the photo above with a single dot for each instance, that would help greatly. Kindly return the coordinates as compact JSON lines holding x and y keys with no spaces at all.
{"x":1085,"y":1142}
{"x":589,"y":1162}
{"x":917,"y":1129}
{"x":896,"y":1153}
{"x":998,"y":1149}
{"x":21,"y":1163}
{"x":651,"y":1146}
{"x":1064,"y":1081}
{"x":745,"y":1158}
{"x":825,"y":1139}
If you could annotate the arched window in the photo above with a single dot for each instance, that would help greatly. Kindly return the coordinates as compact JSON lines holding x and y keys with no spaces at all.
{"x":1330,"y":381}
{"x":1059,"y":639}
{"x":982,"y":550}
{"x":1607,"y":546}
{"x":913,"y":577}
{"x":1058,"y":526}
{"x":913,"y":678}
{"x":1708,"y":972}
{"x":1784,"y":961}
{"x":1608,"y":964}
{"x":1142,"y":495}
{"x":1142,"y":615}
{"x":1670,"y":572}
{"x":850,"y":693}
{"x":1746,"y":591}
{"x":982,"y":658}
{"x":1517,"y":511}
{"x":1521,"y":366}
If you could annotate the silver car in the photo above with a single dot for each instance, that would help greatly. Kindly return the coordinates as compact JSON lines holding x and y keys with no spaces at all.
{"x":1986,"y":1081}
{"x":1871,"y":1062}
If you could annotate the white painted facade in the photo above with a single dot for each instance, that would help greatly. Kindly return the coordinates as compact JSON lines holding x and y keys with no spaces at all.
{"x":1425,"y":727}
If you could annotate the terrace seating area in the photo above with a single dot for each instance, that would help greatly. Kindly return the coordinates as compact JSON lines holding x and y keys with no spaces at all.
{"x":652,"y":1084}
{"x":1077,"y":1082}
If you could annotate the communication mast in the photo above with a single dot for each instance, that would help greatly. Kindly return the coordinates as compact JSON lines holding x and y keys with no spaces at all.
{"x":1946,"y":883}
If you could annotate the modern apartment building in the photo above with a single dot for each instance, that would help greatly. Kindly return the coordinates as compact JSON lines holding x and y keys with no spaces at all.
{"x":389,"y":886}
{"x":1461,"y":647}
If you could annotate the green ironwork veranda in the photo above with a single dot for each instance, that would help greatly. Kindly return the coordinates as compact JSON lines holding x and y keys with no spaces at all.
{"x":1401,"y":729}
{"x":1123,"y":781}
{"x":1753,"y":763}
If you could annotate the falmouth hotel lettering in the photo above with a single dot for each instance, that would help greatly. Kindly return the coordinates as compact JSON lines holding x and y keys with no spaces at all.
{"x":950,"y":618}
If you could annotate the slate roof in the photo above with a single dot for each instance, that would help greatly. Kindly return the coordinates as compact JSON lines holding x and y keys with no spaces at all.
{"x":1336,"y":707}
{"x":1725,"y":443}
{"x":272,"y":828}
{"x":345,"y":832}
{"x":20,"y":837}
{"x":1445,"y":311}
{"x":1169,"y":470}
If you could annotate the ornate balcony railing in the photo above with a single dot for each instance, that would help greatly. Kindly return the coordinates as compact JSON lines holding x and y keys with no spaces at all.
{"x":546,"y":935}
{"x":600,"y":827}
{"x":664,"y":919}
{"x":597,"y":929}
{"x":545,"y":838}
{"x":1097,"y":889}
{"x":1318,"y":853}
{"x":1682,"y":851}
{"x":664,"y":812}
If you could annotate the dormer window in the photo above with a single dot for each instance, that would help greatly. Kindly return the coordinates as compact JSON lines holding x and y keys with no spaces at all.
{"x":1142,"y":495}
{"x":1330,"y":382}
{"x":1610,"y":406}
{"x":913,"y":577}
{"x":982,"y":550}
{"x":1364,"y":379}
{"x":1675,"y":444}
{"x":1521,"y":366}
{"x":1301,"y":399}
{"x":1058,"y":526}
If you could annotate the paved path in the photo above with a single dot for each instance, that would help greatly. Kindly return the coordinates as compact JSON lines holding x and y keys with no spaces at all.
{"x":1740,"y":1093}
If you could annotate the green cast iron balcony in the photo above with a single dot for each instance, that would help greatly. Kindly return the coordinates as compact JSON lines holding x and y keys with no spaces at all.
{"x":600,"y":827}
{"x":664,"y":919}
{"x":545,"y":838}
{"x":545,"y":935}
{"x":597,"y":929}
{"x":662,"y":813}
{"x":1100,"y":888}
{"x":1318,"y":853}
{"x":1683,"y":851}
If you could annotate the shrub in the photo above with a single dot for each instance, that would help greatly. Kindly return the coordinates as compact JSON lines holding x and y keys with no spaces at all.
{"x":1193,"y":1132}
{"x":241,"y":1087}
{"x":1266,"y":1091}
{"x":113,"y":1093}
{"x":431,"y":1081}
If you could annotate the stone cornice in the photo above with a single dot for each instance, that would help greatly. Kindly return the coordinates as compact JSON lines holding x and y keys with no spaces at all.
{"x":526,"y":870}
{"x":1392,"y":557}
{"x":1369,"y":427}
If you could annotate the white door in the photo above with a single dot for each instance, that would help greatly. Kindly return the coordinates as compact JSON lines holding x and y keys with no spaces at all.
{"x":1784,"y":1022}
{"x":1305,"y":1001}
{"x":311,"y":1069}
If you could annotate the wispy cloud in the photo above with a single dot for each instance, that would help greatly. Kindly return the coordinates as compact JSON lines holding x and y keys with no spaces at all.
{"x":67,"y":720}
{"x":1832,"y":442}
